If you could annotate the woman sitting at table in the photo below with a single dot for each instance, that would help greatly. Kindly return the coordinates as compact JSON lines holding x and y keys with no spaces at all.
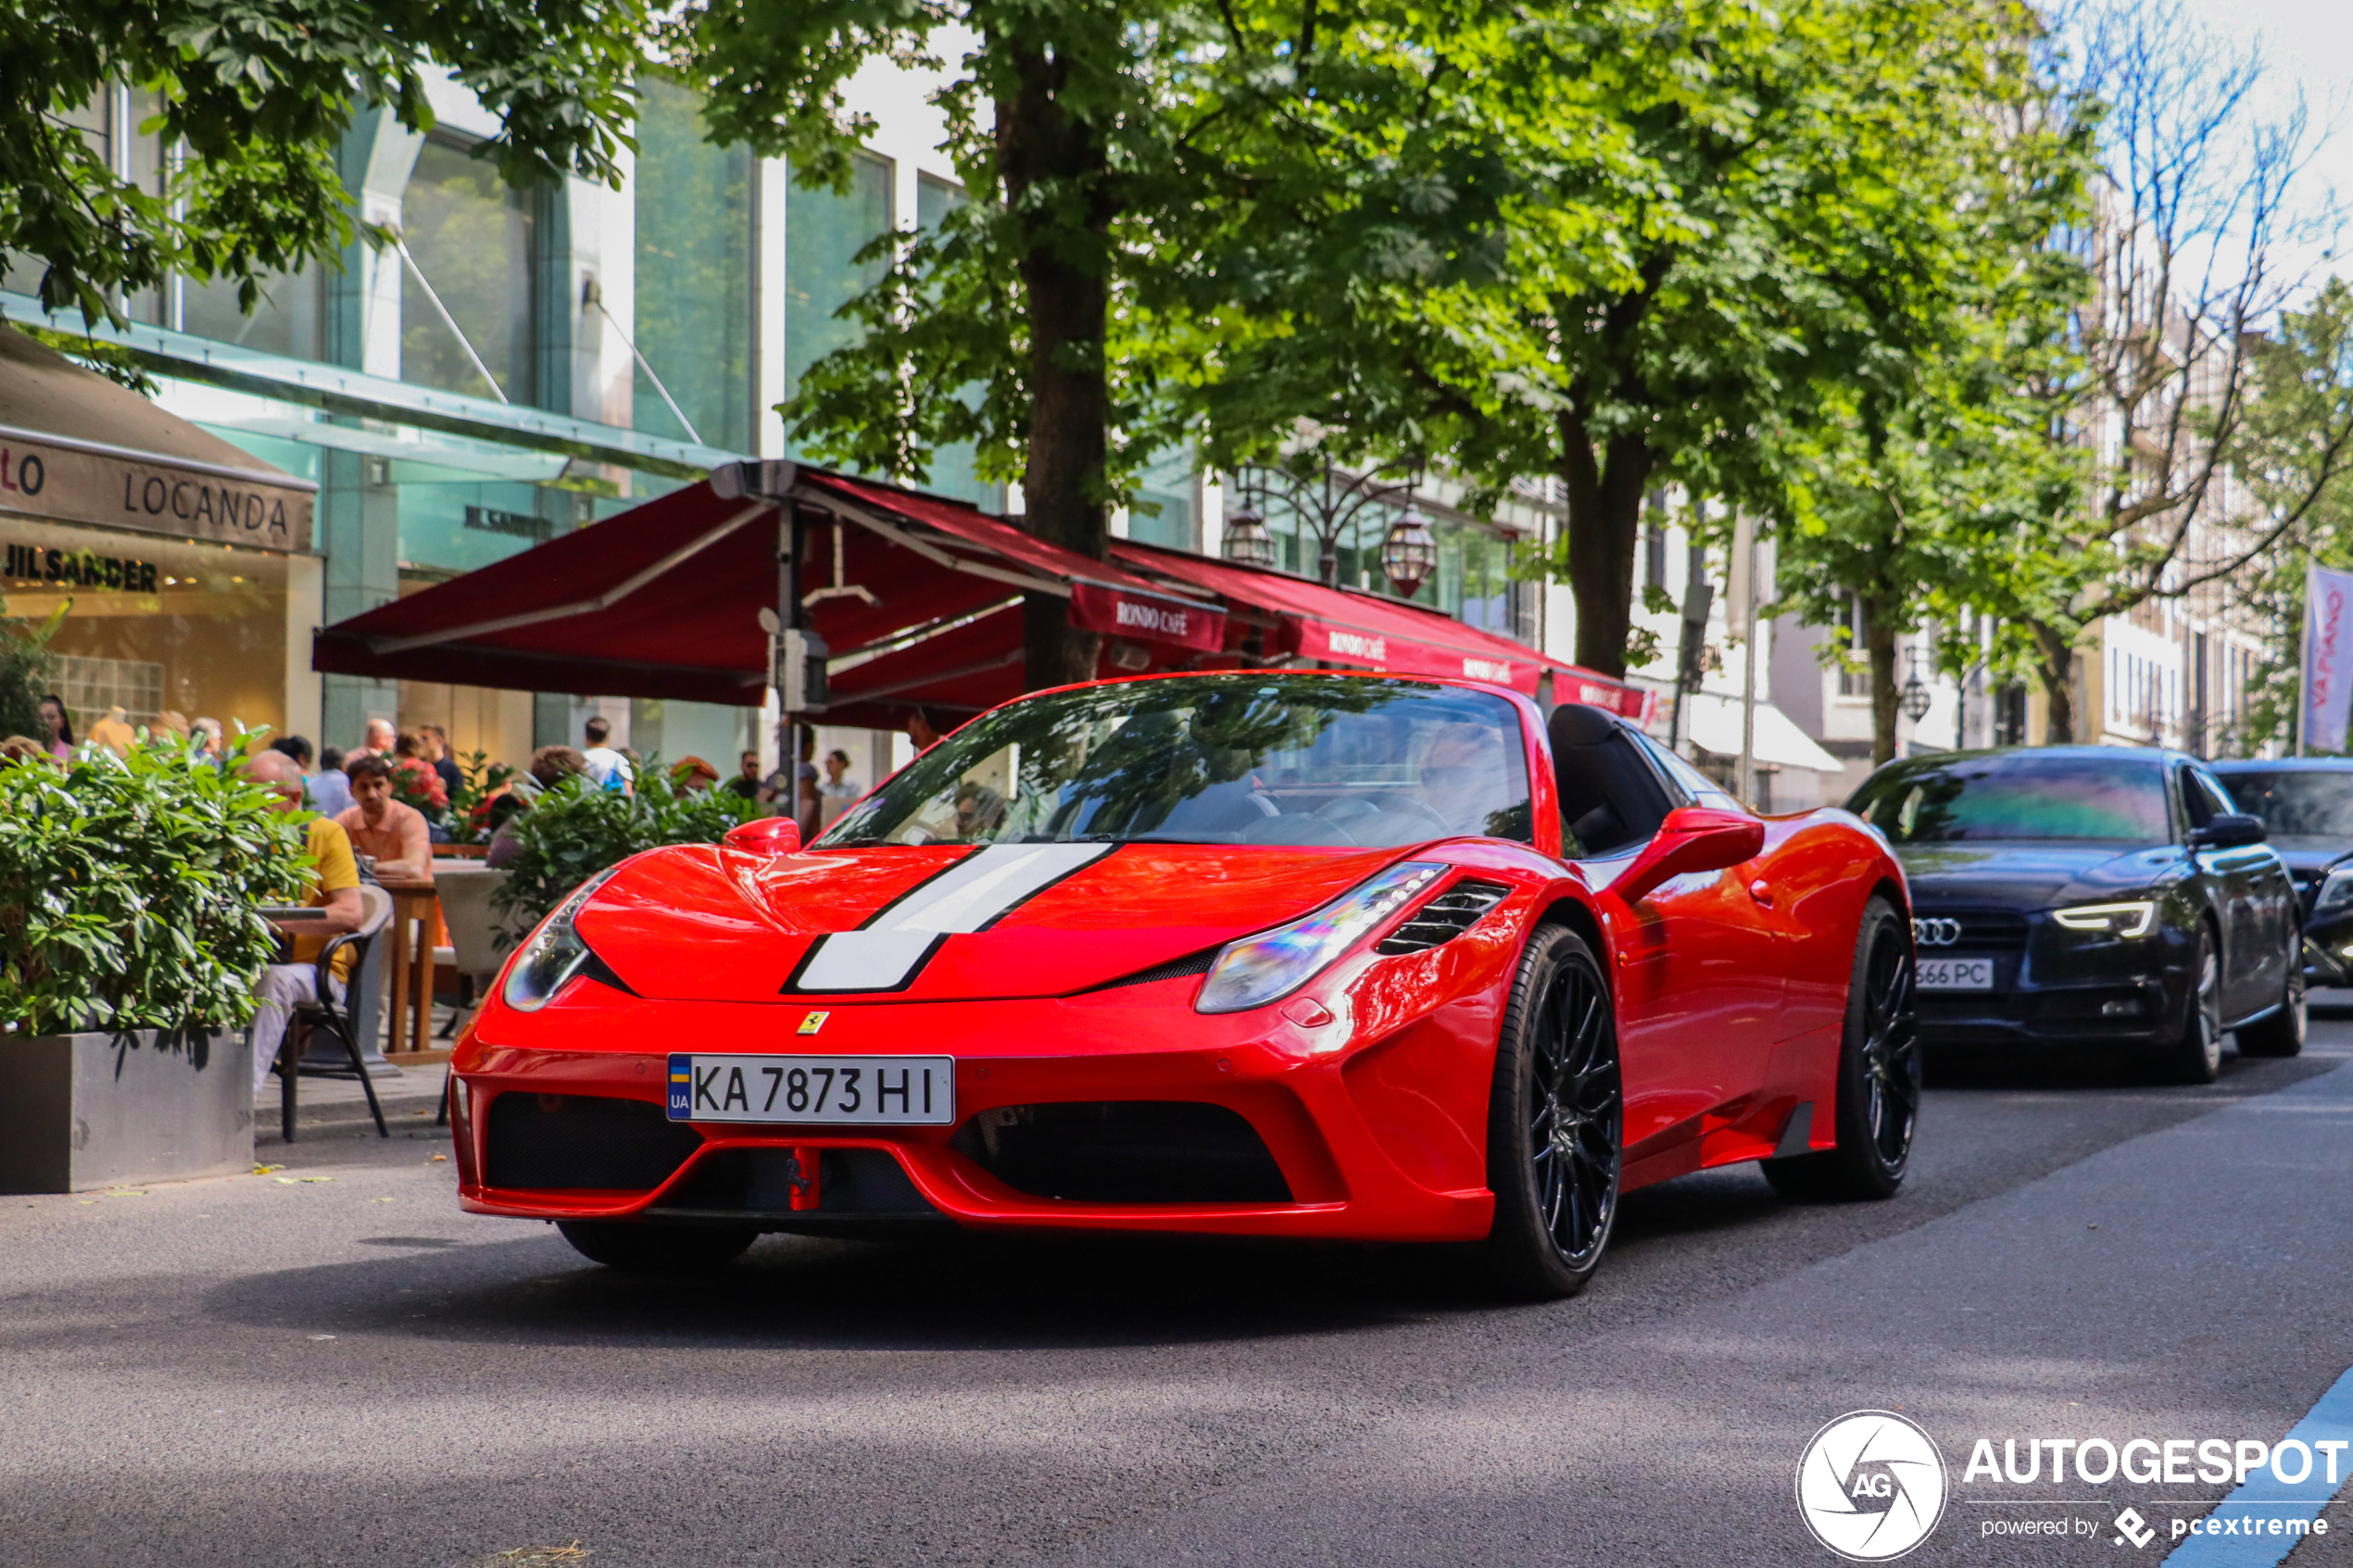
{"x":379,"y":825}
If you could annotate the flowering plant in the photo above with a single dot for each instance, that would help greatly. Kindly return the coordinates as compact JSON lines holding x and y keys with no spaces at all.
{"x":415,"y":783}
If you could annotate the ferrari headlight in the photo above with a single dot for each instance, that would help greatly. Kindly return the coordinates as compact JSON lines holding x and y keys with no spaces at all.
{"x":2116,"y":920}
{"x":553,"y":954}
{"x":1271,"y":965}
{"x":2336,"y":893}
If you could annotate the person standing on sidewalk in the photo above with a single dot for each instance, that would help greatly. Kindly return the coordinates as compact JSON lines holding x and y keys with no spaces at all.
{"x":609,"y":768}
{"x":334,"y":886}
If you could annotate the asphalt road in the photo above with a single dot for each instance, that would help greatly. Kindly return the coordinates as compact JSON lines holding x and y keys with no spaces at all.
{"x":281,"y":1370}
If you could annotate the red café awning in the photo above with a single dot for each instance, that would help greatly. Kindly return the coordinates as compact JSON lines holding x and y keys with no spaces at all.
{"x":918,"y":599}
{"x":1335,"y":626}
{"x":664,"y":601}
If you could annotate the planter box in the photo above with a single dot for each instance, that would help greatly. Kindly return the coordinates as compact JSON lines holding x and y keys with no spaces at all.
{"x":80,"y":1112}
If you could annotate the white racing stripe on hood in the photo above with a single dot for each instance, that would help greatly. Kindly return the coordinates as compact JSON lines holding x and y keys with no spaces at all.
{"x":983,"y":886}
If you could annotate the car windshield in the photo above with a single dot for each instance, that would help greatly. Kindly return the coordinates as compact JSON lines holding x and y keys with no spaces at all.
{"x":1289,"y":758}
{"x":2297,"y":803}
{"x":2017,"y":795}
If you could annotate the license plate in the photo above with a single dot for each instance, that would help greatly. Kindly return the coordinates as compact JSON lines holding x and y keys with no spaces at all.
{"x":1956,"y":975}
{"x":839,"y":1091}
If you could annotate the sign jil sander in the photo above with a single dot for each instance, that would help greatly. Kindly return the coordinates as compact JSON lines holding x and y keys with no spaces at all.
{"x":85,"y":482}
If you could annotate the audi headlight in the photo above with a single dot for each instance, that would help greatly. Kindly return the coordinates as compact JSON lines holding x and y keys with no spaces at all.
{"x":1271,"y":965}
{"x":554,"y":954}
{"x":2336,"y":893}
{"x":2116,"y":919}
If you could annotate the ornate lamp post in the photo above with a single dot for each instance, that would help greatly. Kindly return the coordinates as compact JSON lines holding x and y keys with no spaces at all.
{"x":1914,"y":697}
{"x":1408,"y":552}
{"x":1325,"y":499}
{"x":1247,"y":541}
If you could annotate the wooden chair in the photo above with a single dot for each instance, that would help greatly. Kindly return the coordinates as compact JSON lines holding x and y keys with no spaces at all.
{"x":338,"y":1018}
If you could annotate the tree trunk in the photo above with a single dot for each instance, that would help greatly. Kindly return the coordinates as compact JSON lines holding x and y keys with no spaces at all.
{"x":2055,"y":665}
{"x":1605,"y":527}
{"x":1879,"y":647}
{"x":1067,"y":298}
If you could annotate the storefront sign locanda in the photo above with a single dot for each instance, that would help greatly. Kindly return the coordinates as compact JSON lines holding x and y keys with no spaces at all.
{"x":84,"y":482}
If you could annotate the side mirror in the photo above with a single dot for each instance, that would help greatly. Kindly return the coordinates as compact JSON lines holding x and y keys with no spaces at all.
{"x":765,"y":835}
{"x":1694,"y":838}
{"x":2232,"y":829}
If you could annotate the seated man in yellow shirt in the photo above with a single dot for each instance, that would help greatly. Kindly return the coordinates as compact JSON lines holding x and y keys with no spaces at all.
{"x":335,"y":886}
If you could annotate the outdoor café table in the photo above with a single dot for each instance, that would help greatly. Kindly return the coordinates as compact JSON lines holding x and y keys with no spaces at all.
{"x":410,"y":964}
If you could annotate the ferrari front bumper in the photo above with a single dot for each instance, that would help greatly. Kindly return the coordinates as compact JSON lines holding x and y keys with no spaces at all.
{"x":1110,"y":1111}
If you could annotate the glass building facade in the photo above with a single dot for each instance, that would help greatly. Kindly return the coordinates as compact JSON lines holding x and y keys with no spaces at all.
{"x":496,"y":386}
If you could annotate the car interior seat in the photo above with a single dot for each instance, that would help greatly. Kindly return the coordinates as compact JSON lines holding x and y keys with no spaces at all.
{"x":1611,"y":797}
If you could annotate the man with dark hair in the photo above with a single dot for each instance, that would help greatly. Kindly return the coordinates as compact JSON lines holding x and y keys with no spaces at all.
{"x":607,"y":767}
{"x":921,"y":729}
{"x":745,"y":785}
{"x":396,"y":835}
{"x":436,"y":741}
{"x":330,"y":786}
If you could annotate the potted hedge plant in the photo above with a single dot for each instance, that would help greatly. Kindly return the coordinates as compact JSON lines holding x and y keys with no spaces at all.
{"x":129,"y":947}
{"x":575,"y":830}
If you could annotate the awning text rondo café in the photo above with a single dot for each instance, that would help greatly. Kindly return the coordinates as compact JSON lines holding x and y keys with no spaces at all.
{"x":183,"y":562}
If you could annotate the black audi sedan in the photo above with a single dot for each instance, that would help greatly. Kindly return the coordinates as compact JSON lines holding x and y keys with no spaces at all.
{"x":2307,"y":807}
{"x":2093,"y":896}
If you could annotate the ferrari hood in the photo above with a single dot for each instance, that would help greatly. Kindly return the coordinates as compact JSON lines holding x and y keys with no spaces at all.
{"x":942,"y":922}
{"x":2027,"y":875}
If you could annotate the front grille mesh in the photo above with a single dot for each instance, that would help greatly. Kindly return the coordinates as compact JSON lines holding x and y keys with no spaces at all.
{"x":582,"y":1141}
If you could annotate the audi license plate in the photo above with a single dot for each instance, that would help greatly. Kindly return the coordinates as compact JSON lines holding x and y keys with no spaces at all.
{"x":839,"y":1091}
{"x":1956,"y":974}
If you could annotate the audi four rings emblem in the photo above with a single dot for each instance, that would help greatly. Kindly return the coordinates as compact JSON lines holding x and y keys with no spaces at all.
{"x":1936,"y":933}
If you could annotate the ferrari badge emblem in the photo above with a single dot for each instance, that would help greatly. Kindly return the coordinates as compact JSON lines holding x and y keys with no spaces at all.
{"x":811,"y":1022}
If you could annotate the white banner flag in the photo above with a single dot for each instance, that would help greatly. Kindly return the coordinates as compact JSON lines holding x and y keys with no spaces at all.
{"x":2328,"y":659}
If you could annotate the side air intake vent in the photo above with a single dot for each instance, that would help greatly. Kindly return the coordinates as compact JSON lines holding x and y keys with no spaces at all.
{"x":1444,"y":918}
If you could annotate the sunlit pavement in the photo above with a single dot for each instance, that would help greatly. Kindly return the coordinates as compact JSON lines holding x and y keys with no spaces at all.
{"x":329,"y":1364}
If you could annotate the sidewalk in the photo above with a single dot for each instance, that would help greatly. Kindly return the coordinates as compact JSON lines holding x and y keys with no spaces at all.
{"x":328,"y":1108}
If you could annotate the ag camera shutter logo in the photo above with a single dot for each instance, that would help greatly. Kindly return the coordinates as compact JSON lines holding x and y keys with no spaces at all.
{"x":1870,"y":1486}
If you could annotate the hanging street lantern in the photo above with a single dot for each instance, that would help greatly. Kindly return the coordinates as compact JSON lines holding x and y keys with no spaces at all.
{"x":1247,"y":541}
{"x":1914,"y":698}
{"x":1409,"y":552}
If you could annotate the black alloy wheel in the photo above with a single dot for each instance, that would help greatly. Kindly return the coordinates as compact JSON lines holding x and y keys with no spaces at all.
{"x":2195,"y":1056}
{"x":2281,"y":1032}
{"x":656,"y":1248}
{"x":1878,"y":1075}
{"x":1555,"y":1124}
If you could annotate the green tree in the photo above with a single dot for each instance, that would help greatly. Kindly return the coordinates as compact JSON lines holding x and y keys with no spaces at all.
{"x":1068,"y":123}
{"x":261,"y":93}
{"x":1617,"y":245}
{"x":2194,"y":256}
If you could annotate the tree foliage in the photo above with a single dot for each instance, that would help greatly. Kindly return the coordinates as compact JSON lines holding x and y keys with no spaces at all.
{"x":260,"y":93}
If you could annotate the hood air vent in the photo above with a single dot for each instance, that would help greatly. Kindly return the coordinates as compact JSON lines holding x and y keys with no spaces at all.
{"x":1444,"y":918}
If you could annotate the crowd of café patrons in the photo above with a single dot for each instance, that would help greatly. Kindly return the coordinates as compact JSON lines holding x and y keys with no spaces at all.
{"x":358,"y":825}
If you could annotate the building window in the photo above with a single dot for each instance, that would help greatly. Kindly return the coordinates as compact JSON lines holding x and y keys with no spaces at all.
{"x":1854,"y":680}
{"x":954,"y":468}
{"x":472,"y":235}
{"x":694,"y":290}
{"x":823,"y":234}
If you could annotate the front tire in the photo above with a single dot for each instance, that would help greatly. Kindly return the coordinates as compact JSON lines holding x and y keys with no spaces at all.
{"x":2196,"y":1056}
{"x":658,"y":1249}
{"x":2282,"y":1033}
{"x":1878,"y":1076}
{"x":1555,"y":1122}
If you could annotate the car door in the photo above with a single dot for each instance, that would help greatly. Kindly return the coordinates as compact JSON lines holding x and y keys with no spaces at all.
{"x":2240,"y":879}
{"x":2267,"y":913}
{"x":1695,"y":987}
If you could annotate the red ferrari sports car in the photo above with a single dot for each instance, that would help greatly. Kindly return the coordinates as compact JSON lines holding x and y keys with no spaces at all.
{"x":1282,"y":954}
